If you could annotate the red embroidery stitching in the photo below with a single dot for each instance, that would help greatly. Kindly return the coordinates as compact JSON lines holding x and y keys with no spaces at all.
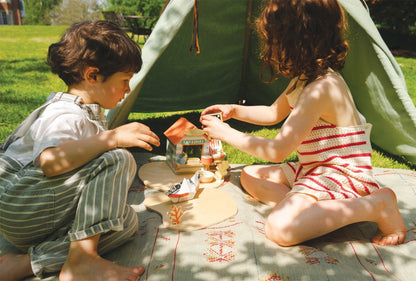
{"x":176,"y":214}
{"x":221,"y":246}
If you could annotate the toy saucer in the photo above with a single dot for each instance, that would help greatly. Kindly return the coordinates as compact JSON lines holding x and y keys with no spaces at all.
{"x":159,"y":176}
{"x":209,"y":207}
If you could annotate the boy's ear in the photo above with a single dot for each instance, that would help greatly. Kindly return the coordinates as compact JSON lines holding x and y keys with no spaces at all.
{"x":91,"y":75}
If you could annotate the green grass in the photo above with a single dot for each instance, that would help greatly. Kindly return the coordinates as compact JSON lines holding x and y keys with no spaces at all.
{"x":408,"y":67}
{"x":26,"y":81}
{"x":25,"y":78}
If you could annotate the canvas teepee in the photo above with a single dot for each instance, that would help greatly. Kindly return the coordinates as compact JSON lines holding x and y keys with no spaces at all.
{"x":227,"y":68}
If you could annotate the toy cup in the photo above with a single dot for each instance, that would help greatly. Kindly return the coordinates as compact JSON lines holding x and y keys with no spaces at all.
{"x":206,"y":160}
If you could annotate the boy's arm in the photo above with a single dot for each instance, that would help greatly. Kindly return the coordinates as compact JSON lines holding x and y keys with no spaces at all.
{"x":73,"y":154}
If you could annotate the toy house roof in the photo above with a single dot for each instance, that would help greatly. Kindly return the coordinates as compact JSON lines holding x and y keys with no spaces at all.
{"x":179,"y":129}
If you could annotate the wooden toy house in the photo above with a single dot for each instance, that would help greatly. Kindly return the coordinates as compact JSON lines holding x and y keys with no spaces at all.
{"x":185,"y":146}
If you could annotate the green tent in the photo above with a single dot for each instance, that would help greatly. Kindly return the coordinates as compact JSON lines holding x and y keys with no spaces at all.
{"x":227,"y":68}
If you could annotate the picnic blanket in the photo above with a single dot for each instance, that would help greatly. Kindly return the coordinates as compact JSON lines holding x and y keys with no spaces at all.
{"x":237,"y":249}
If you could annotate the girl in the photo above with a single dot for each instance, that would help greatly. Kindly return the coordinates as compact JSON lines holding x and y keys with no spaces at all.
{"x":64,"y":177}
{"x":332,"y":184}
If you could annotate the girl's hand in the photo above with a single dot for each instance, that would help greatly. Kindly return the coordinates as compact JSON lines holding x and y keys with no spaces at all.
{"x":135,"y":134}
{"x":214,"y":127}
{"x":227,"y":110}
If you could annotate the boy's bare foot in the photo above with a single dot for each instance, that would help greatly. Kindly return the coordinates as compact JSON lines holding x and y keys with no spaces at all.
{"x":82,"y":266}
{"x":15,"y":267}
{"x":391,"y":227}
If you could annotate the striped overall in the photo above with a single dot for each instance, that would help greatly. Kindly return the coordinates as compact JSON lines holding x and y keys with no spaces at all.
{"x":334,"y":162}
{"x":41,"y":215}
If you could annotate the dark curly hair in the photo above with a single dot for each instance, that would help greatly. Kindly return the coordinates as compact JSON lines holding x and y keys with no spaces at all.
{"x":302,"y":37}
{"x":99,"y":44}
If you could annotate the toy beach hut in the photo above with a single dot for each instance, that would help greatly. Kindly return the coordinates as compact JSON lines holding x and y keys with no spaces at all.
{"x":185,"y":146}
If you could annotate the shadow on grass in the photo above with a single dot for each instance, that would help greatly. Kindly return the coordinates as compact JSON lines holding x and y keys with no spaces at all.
{"x":15,"y":71}
{"x":18,"y":75}
{"x":31,"y":102}
{"x":26,"y":64}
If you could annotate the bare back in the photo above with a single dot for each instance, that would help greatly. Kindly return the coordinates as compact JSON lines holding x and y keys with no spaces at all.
{"x":342,"y":112}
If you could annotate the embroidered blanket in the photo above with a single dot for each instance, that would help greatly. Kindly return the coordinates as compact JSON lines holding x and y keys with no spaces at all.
{"x":237,"y":248}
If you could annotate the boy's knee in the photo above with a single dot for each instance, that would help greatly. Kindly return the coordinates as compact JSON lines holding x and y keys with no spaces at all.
{"x":122,"y":158}
{"x":121,"y":155}
{"x":131,"y":221}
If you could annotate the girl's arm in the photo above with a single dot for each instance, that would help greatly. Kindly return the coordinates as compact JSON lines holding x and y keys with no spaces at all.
{"x":262,"y":114}
{"x":74,"y":153}
{"x":259,"y":114}
{"x":296,"y":128}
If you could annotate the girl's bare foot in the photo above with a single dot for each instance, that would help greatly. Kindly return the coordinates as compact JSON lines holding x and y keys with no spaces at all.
{"x":391,"y":227}
{"x":82,"y":266}
{"x":15,"y":267}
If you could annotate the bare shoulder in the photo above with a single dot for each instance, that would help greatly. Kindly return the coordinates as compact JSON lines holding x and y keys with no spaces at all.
{"x":334,"y":96}
{"x":330,"y":85}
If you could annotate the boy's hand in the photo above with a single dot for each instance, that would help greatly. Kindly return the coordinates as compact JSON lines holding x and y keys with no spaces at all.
{"x":135,"y":134}
{"x":72,"y":154}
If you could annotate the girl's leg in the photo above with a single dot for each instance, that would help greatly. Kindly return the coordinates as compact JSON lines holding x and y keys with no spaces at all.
{"x":266,"y":183}
{"x":299,"y":217}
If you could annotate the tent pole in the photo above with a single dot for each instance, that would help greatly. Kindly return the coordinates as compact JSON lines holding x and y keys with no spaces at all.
{"x":242,"y":98}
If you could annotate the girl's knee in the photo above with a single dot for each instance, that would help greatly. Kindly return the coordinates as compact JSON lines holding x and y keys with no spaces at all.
{"x":280,"y":230}
{"x":243,"y":177}
{"x":273,"y":173}
{"x":247,"y":175}
{"x":248,"y":171}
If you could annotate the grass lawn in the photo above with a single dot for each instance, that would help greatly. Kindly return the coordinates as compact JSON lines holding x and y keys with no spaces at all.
{"x":26,"y":81}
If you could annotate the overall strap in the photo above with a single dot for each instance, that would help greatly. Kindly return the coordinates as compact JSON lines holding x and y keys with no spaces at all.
{"x":21,"y":130}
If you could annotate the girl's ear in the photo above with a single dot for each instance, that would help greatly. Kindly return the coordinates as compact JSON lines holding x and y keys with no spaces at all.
{"x":91,"y":75}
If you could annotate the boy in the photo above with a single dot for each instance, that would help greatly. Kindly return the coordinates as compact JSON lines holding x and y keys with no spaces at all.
{"x":64,"y":177}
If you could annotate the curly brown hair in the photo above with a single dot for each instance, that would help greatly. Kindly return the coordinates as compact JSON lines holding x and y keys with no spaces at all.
{"x":302,"y":37}
{"x":99,"y":44}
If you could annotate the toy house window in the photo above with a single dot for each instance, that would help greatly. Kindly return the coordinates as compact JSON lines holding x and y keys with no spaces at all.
{"x":193,"y":150}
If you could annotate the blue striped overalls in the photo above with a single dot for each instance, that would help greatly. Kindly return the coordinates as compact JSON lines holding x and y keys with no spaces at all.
{"x":42,"y":215}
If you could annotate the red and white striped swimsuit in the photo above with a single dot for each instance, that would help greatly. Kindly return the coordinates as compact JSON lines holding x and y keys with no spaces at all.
{"x":334,"y":162}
